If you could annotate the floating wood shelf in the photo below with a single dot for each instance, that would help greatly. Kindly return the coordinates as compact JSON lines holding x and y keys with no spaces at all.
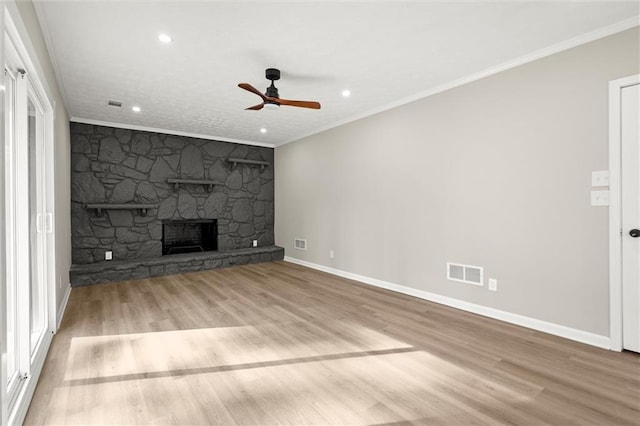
{"x":209,"y":183}
{"x":236,"y":161}
{"x":101,"y":207}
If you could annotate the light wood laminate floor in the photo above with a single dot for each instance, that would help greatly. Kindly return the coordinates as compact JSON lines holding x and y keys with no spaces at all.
{"x":278,"y":343}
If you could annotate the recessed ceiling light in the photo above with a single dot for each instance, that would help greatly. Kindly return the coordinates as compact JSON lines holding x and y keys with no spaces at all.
{"x":165,"y":38}
{"x":346,"y":93}
{"x":135,"y":109}
{"x":263,"y":130}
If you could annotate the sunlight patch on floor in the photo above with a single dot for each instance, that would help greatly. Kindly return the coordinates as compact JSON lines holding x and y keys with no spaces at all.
{"x":93,"y":357}
{"x":350,"y":390}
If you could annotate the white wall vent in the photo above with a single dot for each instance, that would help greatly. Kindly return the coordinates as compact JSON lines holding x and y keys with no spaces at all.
{"x":465,"y":273}
{"x":300,"y":244}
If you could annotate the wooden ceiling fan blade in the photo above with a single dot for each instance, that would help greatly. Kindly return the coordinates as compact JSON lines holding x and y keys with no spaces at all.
{"x":256,"y":107}
{"x":301,"y":104}
{"x":250,"y":88}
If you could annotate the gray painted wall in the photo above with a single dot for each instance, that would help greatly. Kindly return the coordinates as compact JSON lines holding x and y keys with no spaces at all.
{"x":495,"y":173}
{"x":111,"y":165}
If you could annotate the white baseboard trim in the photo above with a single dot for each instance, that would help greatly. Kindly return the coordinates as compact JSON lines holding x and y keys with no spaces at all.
{"x":62,"y":307}
{"x":532,"y":323}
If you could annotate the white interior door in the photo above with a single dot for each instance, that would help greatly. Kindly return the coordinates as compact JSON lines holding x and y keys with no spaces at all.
{"x":630,"y":187}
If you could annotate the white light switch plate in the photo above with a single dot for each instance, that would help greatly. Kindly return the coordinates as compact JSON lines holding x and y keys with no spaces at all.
{"x":600,"y":178}
{"x":600,"y":198}
{"x":108,"y":255}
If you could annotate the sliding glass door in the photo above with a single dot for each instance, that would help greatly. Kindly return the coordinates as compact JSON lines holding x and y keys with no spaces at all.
{"x":28,"y":227}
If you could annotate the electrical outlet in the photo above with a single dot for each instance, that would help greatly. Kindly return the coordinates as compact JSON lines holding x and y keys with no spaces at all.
{"x":493,"y":284}
{"x":108,"y":255}
{"x":331,"y":254}
{"x":59,"y":282}
{"x":255,"y":243}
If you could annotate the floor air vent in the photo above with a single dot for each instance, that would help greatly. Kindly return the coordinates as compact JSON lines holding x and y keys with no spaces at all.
{"x":464,"y":273}
{"x":300,"y":244}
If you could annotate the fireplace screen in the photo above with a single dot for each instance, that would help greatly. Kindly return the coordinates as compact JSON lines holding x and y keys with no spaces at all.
{"x":189,"y":236}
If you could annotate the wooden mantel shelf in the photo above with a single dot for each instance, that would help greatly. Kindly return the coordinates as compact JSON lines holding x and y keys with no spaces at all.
{"x":236,"y":161}
{"x":112,"y":206}
{"x":209,"y":183}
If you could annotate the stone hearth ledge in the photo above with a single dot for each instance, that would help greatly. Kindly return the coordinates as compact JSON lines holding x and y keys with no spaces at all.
{"x":123,"y":270}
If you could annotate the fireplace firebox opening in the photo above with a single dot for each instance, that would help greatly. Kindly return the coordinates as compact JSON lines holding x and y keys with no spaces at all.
{"x":189,"y":236}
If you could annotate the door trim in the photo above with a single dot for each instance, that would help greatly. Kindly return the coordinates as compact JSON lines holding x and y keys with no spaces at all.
{"x":615,"y":211}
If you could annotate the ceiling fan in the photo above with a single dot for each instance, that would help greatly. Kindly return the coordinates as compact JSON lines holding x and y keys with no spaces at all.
{"x":270,"y":99}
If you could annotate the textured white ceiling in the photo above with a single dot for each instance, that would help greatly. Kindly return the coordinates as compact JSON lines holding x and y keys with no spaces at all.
{"x":384,"y":52}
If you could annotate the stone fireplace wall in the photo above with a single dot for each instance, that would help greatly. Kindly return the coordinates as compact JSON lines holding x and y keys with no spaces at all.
{"x":112,"y":165}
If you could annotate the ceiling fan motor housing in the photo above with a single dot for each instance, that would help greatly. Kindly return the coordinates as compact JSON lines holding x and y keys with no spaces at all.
{"x":272,"y":74}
